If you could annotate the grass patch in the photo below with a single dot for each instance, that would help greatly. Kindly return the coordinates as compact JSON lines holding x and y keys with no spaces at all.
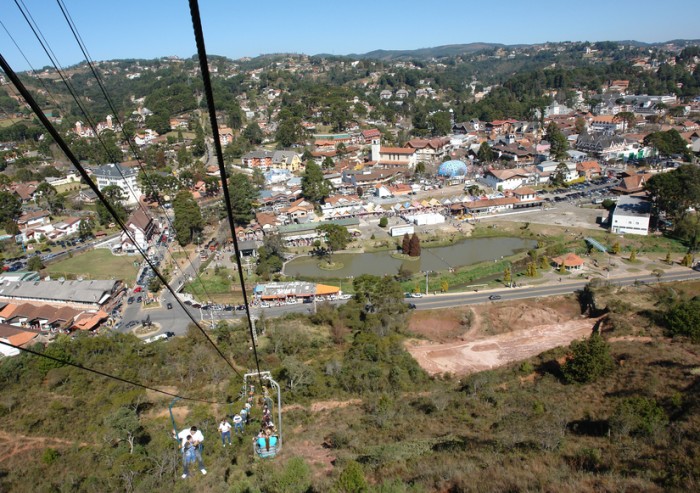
{"x":401,"y":256}
{"x":330,"y":265}
{"x":210,"y":283}
{"x":95,"y":264}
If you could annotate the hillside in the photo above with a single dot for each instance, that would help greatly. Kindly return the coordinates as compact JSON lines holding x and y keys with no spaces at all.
{"x":428,"y":53}
{"x":359,"y":411}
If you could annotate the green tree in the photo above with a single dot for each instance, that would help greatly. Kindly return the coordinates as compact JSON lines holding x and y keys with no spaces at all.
{"x":188,"y":221}
{"x":420,"y":168}
{"x":258,"y":179}
{"x":590,"y":359}
{"x":440,"y":123}
{"x":383,"y":222}
{"x":485,"y":153}
{"x":615,"y":248}
{"x":314,"y":187}
{"x":336,"y":237}
{"x":85,"y":228}
{"x":242,"y":195}
{"x":507,"y":276}
{"x":198,"y":144}
{"x":35,"y":264}
{"x":633,"y":255}
{"x":114,"y":195}
{"x":683,"y":318}
{"x":253,"y":134}
{"x":531,"y":270}
{"x":557,"y":140}
{"x":544,"y":262}
{"x":10,"y":207}
{"x":123,"y":426}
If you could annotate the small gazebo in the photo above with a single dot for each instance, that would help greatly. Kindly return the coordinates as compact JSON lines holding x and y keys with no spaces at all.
{"x":571,"y":261}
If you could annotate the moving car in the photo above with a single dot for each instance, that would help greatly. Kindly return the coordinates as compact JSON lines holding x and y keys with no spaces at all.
{"x":169,"y":306}
{"x":495,"y":297}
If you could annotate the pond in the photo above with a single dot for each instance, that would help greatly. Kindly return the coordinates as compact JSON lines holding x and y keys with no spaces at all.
{"x":465,"y":252}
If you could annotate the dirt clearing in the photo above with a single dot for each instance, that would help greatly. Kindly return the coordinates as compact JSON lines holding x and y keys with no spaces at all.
{"x":481,"y":337}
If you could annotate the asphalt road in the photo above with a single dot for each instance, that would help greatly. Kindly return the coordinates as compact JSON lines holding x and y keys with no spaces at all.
{"x":176,"y":321}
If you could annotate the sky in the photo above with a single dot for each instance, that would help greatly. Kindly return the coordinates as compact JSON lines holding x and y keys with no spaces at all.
{"x":114,"y":29}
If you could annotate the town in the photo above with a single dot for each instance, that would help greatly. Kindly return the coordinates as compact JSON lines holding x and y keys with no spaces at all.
{"x":376,"y":198}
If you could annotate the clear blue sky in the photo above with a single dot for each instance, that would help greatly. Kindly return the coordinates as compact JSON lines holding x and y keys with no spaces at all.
{"x":154,"y":28}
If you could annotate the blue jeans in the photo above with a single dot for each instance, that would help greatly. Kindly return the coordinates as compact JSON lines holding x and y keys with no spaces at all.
{"x":238,"y":427}
{"x":226,"y":435}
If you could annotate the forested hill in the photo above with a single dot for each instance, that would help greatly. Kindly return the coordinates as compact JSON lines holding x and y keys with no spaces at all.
{"x":455,"y":50}
{"x":428,"y":53}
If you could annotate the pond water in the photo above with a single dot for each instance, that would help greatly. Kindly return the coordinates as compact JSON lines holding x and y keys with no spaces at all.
{"x":465,"y":252}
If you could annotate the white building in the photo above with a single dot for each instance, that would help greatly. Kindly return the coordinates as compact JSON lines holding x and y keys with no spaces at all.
{"x":121,"y":176}
{"x":631,"y":216}
{"x":505,"y":179}
{"x":550,"y":167}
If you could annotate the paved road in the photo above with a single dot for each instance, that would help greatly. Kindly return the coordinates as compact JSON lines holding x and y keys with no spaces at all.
{"x":175,"y":321}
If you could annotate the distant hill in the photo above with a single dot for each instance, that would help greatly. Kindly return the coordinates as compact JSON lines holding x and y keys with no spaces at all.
{"x":468,"y":48}
{"x":426,"y":53}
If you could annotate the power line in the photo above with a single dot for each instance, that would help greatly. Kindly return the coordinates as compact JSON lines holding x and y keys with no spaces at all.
{"x":107,"y":375}
{"x":66,"y":149}
{"x":86,"y":54}
{"x":204,"y":66}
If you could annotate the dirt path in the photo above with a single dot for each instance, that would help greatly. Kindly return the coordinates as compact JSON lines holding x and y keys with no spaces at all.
{"x":461,"y":357}
{"x":13,"y":444}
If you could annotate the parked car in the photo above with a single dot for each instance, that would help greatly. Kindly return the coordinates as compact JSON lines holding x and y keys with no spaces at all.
{"x":495,"y":297}
{"x":169,"y":306}
{"x":130,"y":300}
{"x":131,"y":324}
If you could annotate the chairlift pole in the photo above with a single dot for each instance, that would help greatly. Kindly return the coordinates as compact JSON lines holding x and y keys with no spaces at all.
{"x":172,"y":418}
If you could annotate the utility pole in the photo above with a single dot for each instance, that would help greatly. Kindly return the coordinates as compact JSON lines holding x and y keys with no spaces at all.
{"x":426,"y":282}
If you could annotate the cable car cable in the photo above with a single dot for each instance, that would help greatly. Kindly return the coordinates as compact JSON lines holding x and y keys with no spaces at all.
{"x":204,"y":67}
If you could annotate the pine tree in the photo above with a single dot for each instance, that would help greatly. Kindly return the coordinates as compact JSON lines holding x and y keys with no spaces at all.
{"x":414,"y":246}
{"x":406,"y":244}
{"x":544,"y":262}
{"x":633,"y":256}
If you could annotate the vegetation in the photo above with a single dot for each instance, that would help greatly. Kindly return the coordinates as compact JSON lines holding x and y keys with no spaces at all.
{"x":188,"y":218}
{"x":94,"y":264}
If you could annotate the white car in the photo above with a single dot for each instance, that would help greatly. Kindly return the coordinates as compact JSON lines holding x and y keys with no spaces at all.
{"x":264,"y":304}
{"x":291,"y":301}
{"x":344,"y":296}
{"x":416,"y":295}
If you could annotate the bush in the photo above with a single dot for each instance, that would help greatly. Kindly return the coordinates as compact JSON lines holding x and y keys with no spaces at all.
{"x":684,"y":319}
{"x":590,"y":360}
{"x":383,"y":222}
{"x":639,"y":416}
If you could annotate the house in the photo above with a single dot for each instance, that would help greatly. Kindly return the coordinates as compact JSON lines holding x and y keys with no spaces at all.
{"x":402,"y":94}
{"x":287,"y":160}
{"x":505,"y":179}
{"x":429,"y":150}
{"x":142,"y":227}
{"x":631,"y":184}
{"x":70,"y":178}
{"x":25,"y":191}
{"x":257,"y":159}
{"x":34,"y":219}
{"x":571,"y":262}
{"x":225,"y":136}
{"x":601,"y":145}
{"x":393,"y":156}
{"x":16,"y":337}
{"x":385,"y":94}
{"x":631,"y":216}
{"x":588,"y":169}
{"x":69,"y":226}
{"x":552,"y":167}
{"x":525,"y":194}
{"x":87,"y":196}
{"x":114,"y":174}
{"x":606,"y":123}
{"x":366,"y":136}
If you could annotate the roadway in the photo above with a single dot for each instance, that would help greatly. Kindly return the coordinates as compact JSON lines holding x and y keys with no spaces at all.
{"x":175,"y":321}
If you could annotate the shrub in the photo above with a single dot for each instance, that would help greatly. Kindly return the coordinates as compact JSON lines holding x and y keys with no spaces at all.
{"x":383,"y":222}
{"x":684,"y":319}
{"x":590,"y":360}
{"x":351,"y":480}
{"x":639,"y":416}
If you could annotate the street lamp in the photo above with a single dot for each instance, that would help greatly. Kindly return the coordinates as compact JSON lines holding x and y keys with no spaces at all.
{"x":426,"y":281}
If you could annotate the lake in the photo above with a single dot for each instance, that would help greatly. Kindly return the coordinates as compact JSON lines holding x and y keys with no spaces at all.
{"x":464,"y":252}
